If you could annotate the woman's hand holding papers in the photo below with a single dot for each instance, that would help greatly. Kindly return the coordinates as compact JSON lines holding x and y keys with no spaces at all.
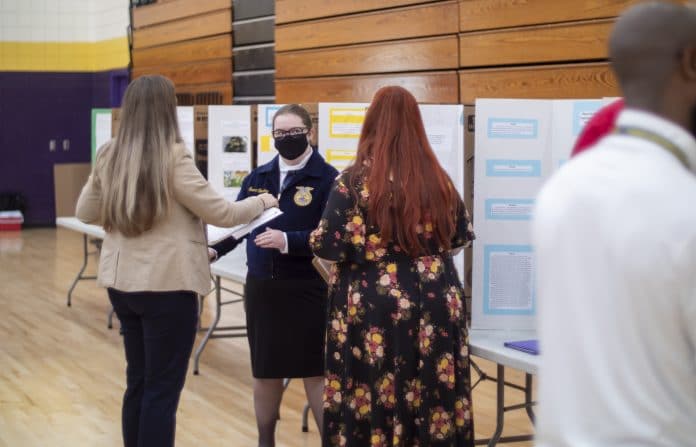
{"x":269,"y":201}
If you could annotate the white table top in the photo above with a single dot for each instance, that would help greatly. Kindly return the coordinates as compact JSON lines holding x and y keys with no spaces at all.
{"x":73,"y":223}
{"x":488,"y":344}
{"x":232,"y":266}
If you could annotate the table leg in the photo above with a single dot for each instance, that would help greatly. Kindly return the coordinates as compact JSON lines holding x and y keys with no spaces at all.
{"x":201,"y":306}
{"x":213,"y":325}
{"x":528,"y":397}
{"x":500,"y":406}
{"x":82,"y":270}
{"x":110,"y":319}
{"x":305,"y":418}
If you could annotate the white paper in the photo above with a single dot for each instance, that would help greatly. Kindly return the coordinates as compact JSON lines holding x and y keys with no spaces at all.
{"x":346,"y":122}
{"x":216,"y":234}
{"x":102,"y":129}
{"x":500,"y":210}
{"x":229,"y":148}
{"x":511,"y":284}
{"x":569,"y":118}
{"x":440,"y":139}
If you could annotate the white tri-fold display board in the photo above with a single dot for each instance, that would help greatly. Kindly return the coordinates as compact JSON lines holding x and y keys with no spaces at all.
{"x":339,"y":131}
{"x":185,"y":118}
{"x":266,"y":143}
{"x":102,"y":128}
{"x":229,"y":148}
{"x":519,"y":145}
{"x":340,"y":125}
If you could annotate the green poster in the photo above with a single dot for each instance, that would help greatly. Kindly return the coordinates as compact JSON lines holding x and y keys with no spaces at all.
{"x":101,"y":129}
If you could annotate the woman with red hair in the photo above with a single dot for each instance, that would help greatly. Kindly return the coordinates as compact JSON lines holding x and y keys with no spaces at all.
{"x":397,"y":359}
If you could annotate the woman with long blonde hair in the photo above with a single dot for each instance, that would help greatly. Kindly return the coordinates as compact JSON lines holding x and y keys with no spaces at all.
{"x":151,"y":199}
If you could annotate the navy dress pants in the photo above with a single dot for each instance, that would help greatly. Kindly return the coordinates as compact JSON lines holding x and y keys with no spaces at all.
{"x":159,"y":329}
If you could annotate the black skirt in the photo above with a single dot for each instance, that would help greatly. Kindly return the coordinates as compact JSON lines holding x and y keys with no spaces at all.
{"x":286,"y":323}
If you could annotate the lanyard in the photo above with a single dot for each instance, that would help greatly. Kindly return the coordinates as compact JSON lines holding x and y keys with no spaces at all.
{"x":655,"y":138}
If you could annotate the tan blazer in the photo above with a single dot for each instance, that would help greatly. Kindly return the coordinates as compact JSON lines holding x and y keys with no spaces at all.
{"x":173,"y":255}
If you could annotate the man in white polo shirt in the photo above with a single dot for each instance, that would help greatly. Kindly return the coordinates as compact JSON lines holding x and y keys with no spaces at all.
{"x":615,"y":236}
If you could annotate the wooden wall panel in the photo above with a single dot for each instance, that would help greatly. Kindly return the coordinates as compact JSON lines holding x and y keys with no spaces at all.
{"x":490,"y":14}
{"x":593,"y":80}
{"x":174,"y":10}
{"x":208,"y":72}
{"x":211,"y":24}
{"x":545,"y":43}
{"x":397,"y":56}
{"x":299,"y":10}
{"x":184,"y":52}
{"x":431,"y":87}
{"x":416,"y":21}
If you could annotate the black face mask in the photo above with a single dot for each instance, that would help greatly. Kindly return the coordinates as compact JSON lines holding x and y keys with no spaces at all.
{"x":291,"y":147}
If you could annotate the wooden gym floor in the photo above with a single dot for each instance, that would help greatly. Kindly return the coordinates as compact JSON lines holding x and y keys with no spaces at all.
{"x":62,"y":372}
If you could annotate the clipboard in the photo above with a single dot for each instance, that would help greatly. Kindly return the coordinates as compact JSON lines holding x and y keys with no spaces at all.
{"x":217,"y":234}
{"x":528,"y":346}
{"x":323,"y":267}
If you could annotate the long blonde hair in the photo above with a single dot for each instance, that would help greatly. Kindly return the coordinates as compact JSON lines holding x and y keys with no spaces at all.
{"x":138,"y":164}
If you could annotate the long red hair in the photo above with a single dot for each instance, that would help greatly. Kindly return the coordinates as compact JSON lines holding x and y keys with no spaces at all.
{"x":407,"y":186}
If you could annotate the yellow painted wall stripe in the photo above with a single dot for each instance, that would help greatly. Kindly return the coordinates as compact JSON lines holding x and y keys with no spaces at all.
{"x":64,"y":56}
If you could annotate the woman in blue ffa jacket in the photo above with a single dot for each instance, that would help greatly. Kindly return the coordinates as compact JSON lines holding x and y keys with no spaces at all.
{"x":285,"y":296}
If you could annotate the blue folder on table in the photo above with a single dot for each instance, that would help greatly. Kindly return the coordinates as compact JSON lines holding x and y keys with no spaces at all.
{"x":528,"y":346}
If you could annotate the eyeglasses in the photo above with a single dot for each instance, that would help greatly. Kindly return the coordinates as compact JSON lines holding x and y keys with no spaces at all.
{"x":279,"y":134}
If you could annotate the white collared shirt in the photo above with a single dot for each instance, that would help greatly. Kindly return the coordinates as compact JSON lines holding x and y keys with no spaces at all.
{"x":284,"y":168}
{"x":615,"y":238}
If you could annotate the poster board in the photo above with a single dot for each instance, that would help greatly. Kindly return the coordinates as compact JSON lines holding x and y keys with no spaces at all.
{"x":229,"y":148}
{"x":184,"y":115}
{"x":469,"y":127}
{"x":340,"y":125}
{"x":101,"y":129}
{"x":519,"y":144}
{"x":339,"y":132}
{"x":266,"y":144}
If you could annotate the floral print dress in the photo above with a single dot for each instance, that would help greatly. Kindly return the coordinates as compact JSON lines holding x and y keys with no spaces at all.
{"x":397,"y":359}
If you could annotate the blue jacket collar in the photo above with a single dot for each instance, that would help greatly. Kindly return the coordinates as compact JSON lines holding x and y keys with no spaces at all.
{"x":314,"y":167}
